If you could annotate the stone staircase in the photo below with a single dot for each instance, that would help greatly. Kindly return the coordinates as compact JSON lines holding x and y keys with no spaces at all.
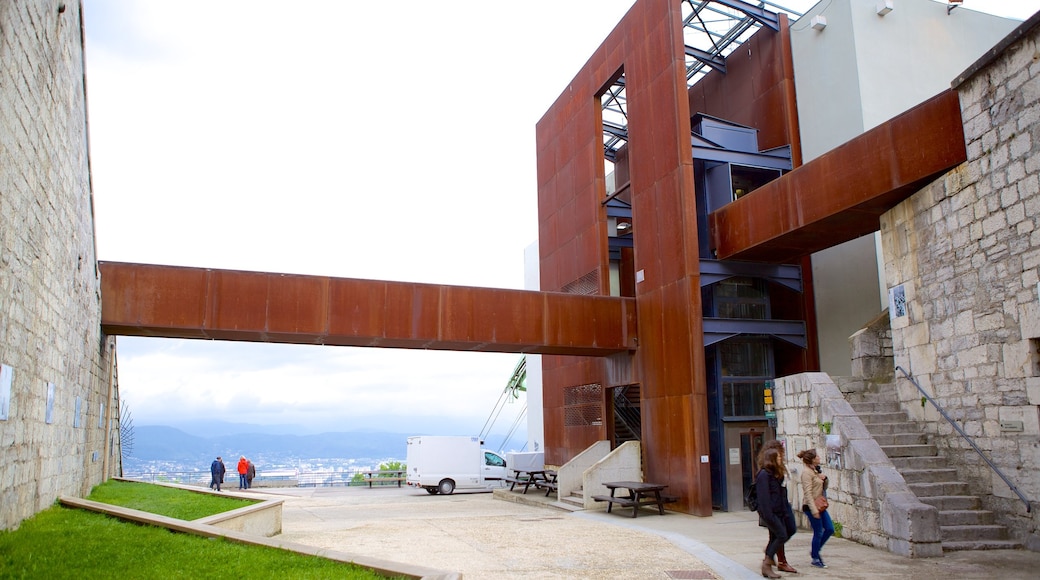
{"x":963,"y":524}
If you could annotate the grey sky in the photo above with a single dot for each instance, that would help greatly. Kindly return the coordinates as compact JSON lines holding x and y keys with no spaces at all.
{"x":380,"y":140}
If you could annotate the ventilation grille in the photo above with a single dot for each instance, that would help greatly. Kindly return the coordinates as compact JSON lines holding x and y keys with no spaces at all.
{"x":587,"y":285}
{"x":583,"y":405}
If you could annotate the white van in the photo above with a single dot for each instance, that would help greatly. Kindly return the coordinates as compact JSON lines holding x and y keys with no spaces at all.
{"x":442,"y":464}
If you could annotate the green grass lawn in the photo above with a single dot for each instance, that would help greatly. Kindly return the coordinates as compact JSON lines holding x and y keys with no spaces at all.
{"x":165,"y":501}
{"x":70,"y":543}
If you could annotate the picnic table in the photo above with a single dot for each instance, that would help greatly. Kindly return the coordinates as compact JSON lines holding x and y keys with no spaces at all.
{"x":384,"y":476}
{"x":640,"y":494}
{"x":540,"y":478}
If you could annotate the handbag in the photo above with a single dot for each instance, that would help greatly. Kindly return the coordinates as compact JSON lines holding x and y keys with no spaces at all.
{"x":751,"y":498}
{"x":821,"y":503}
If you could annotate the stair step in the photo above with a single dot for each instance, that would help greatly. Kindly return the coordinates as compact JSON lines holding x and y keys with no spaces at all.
{"x":566,"y":506}
{"x":981,"y":545}
{"x":928,"y":475}
{"x":968,"y":517}
{"x":910,"y":450}
{"x":877,"y":407}
{"x":974,"y":533}
{"x":891,"y":428}
{"x":929,"y":489}
{"x":890,"y":417}
{"x":887,"y":440}
{"x":903,"y":463}
{"x":953,"y":502}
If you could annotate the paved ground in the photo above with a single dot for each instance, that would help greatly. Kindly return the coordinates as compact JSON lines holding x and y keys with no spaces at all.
{"x":483,"y":537}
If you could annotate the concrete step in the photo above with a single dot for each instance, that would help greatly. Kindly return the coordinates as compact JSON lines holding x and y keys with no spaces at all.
{"x":910,"y":450}
{"x":923,"y":490}
{"x":902,"y":463}
{"x":973,"y":533}
{"x":877,"y":407}
{"x":571,"y":500}
{"x":566,"y":506}
{"x":892,"y":428}
{"x":982,"y":545}
{"x":886,"y":440}
{"x":952,"y":502}
{"x":969,"y":517}
{"x":928,"y":475}
{"x":886,"y":417}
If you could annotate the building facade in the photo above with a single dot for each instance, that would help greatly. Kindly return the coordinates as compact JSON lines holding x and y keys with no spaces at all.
{"x":58,"y":404}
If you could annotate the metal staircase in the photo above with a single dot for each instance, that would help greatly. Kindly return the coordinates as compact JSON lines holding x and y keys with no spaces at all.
{"x":963,"y":524}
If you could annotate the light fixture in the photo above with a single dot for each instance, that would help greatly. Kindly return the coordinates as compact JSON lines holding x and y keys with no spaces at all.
{"x":624,"y":227}
{"x":819,"y":22}
{"x":884,"y":7}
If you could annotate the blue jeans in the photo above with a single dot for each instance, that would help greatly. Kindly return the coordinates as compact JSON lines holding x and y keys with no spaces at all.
{"x":242,"y":481}
{"x":822,"y":530}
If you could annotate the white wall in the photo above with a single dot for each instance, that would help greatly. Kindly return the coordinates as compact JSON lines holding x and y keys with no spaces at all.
{"x":861,"y":70}
{"x":535,"y":421}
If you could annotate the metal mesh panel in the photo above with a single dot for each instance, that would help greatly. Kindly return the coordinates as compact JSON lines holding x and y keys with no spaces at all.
{"x":587,"y":285}
{"x":583,"y":405}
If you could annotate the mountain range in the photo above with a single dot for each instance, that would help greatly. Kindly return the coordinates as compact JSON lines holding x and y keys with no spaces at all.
{"x":166,"y":443}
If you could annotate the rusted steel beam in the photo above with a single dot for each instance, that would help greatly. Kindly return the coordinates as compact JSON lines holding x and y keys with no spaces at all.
{"x":178,"y":302}
{"x":840,"y":195}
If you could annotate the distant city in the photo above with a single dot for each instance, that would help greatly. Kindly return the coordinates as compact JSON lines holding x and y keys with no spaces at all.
{"x":163,"y":453}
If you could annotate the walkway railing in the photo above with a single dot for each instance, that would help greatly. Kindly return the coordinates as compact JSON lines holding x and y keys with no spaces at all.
{"x":301,"y":479}
{"x":966,"y":437}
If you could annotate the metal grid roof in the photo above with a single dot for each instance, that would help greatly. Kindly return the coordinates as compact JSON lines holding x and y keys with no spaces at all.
{"x":712,"y":29}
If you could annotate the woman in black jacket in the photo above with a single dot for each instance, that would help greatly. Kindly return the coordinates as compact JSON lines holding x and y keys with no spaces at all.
{"x":774,"y":509}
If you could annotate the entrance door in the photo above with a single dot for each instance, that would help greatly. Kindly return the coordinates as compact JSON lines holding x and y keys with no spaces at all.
{"x":743,"y":444}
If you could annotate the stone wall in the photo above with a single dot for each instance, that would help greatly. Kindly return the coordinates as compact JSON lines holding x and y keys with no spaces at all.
{"x":869,"y":498}
{"x":50,"y":307}
{"x":965,"y":254}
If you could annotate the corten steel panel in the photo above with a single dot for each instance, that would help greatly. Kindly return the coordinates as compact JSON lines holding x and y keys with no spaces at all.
{"x":648,"y":45}
{"x":840,"y":195}
{"x":669,"y":363}
{"x":172,"y":301}
{"x":756,"y":91}
{"x":177,"y":302}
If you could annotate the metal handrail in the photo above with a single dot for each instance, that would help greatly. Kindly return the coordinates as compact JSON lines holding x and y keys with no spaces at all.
{"x":967,"y":438}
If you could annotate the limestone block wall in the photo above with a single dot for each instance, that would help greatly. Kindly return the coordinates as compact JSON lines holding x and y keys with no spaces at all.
{"x":965,"y":254}
{"x":57,"y":408}
{"x":869,"y":498}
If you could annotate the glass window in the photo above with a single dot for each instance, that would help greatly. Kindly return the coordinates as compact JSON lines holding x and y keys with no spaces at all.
{"x":493,"y":459}
{"x":741,"y":298}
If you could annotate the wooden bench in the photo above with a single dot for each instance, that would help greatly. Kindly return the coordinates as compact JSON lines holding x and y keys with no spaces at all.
{"x":640,"y":494}
{"x":514,"y":481}
{"x":549,"y":486}
{"x":384,"y":477}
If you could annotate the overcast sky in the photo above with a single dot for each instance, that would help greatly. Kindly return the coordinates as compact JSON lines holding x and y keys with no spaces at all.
{"x":362,"y":139}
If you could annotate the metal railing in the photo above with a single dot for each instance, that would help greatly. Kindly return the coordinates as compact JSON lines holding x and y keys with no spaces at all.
{"x":301,"y":479}
{"x":966,"y":437}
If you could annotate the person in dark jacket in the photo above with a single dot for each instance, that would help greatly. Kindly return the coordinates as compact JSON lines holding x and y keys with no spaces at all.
{"x":774,"y":509}
{"x":216,"y":471}
{"x":250,"y":474}
{"x":781,"y":557}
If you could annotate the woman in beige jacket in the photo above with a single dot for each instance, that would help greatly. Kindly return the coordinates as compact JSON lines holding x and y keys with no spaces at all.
{"x":814,"y":485}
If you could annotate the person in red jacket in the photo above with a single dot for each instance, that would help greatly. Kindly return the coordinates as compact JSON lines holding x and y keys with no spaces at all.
{"x":243,"y":469}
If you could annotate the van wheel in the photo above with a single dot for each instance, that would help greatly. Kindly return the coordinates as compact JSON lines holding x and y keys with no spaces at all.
{"x":431,"y":490}
{"x":446,"y":487}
